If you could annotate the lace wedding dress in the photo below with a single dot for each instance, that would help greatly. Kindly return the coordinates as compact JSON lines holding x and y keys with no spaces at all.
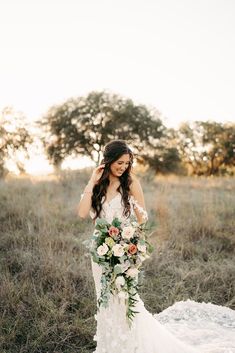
{"x":186,"y":327}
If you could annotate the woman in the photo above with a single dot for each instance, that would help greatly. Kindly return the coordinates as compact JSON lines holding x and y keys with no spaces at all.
{"x":112,"y":191}
{"x":111,"y":179}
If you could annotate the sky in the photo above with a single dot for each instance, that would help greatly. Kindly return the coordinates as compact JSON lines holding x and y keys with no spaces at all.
{"x":177,"y":56}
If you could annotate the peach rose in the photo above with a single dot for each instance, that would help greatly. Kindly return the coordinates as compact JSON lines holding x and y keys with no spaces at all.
{"x":132,"y":249}
{"x":113,"y":231}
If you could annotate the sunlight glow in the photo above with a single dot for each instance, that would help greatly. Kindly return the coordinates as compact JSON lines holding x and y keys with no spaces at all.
{"x":176,"y":56}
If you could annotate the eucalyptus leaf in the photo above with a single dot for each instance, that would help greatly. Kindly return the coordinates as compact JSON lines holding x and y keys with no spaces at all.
{"x":117,"y":269}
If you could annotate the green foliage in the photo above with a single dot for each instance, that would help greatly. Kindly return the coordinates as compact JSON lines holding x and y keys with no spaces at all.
{"x":132,"y":290}
{"x":83,"y":125}
{"x":14,"y":139}
{"x":207,"y":147}
{"x":102,"y":224}
{"x":116,"y":222}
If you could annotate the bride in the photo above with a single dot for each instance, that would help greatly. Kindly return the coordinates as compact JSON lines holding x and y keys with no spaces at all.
{"x":113,"y":191}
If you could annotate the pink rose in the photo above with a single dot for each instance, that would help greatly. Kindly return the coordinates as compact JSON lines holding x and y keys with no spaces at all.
{"x":113,"y":231}
{"x":132,"y":249}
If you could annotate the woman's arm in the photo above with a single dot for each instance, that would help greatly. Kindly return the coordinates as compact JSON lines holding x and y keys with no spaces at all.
{"x":137,"y":199}
{"x":84,"y":205}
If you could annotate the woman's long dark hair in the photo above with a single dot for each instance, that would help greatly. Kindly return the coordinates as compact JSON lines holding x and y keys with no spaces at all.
{"x":112,"y":152}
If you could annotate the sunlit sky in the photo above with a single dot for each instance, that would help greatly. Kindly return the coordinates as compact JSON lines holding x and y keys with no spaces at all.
{"x":175,"y":55}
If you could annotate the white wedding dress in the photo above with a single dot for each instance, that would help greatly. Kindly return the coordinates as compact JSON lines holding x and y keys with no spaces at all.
{"x":185,"y":327}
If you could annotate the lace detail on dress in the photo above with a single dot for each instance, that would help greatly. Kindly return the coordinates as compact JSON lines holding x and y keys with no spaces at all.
{"x":114,"y":208}
{"x":183,"y":328}
{"x":208,"y":326}
{"x":137,"y":206}
{"x":146,"y":335}
{"x":113,"y":333}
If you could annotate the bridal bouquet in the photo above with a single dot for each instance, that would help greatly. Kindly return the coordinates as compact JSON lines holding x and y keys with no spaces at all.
{"x":120,"y":249}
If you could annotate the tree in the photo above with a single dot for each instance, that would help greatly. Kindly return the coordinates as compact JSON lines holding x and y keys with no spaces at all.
{"x":83,"y":125}
{"x":14,"y":139}
{"x":219,"y":140}
{"x":206,"y":147}
{"x":188,"y":144}
{"x":164,"y":158}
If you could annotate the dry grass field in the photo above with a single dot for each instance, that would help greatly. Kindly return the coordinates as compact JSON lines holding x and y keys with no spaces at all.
{"x":47,"y":294}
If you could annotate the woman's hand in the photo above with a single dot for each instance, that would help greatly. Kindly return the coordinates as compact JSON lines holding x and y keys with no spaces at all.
{"x":97,"y":173}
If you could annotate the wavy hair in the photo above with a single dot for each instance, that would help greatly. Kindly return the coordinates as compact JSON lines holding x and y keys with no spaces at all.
{"x":112,"y":152}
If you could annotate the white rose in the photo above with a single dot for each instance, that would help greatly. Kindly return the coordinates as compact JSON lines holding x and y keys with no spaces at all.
{"x":123,"y":295}
{"x":102,"y":249}
{"x":132,"y":272}
{"x":119,"y":281}
{"x":118,"y":250}
{"x":141,"y":248}
{"x":128,"y":232}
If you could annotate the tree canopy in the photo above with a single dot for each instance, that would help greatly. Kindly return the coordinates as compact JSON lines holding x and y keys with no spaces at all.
{"x":83,"y":125}
{"x":207,"y":147}
{"x":14,"y":139}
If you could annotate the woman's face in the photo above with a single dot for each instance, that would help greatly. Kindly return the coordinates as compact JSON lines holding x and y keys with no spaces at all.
{"x":118,"y":167}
